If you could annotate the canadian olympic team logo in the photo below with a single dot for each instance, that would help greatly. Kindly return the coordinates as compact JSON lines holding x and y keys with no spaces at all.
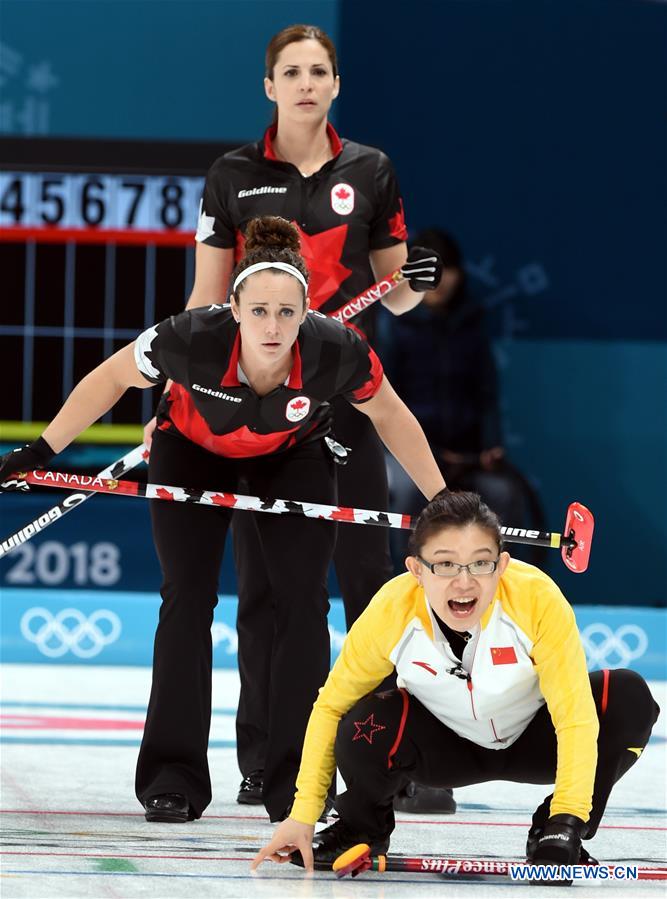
{"x":297,"y":408}
{"x":606,"y":648}
{"x":342,"y":198}
{"x":70,"y":631}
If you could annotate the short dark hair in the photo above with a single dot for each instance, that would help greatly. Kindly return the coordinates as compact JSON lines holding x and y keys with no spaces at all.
{"x":452,"y":509}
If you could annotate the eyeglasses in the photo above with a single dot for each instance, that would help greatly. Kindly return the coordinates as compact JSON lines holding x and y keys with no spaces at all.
{"x":452,"y":569}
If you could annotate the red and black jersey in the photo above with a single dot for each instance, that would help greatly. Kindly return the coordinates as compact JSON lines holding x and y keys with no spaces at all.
{"x":349,"y":207}
{"x":211,"y":403}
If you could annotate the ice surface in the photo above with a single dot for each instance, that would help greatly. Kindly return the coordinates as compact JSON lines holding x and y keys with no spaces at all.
{"x":73,"y":828}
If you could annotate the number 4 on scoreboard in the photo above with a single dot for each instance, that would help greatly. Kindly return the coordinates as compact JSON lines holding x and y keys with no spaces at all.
{"x":12,"y":200}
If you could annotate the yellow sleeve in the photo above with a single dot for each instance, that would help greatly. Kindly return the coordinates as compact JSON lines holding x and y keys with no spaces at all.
{"x":561,"y":668}
{"x":362,"y":664}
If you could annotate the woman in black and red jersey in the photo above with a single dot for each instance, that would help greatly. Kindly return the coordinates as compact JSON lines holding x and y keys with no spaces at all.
{"x":344,"y":199}
{"x":250,"y":401}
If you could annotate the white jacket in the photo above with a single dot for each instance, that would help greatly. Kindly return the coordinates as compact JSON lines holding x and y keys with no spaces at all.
{"x":525,"y":651}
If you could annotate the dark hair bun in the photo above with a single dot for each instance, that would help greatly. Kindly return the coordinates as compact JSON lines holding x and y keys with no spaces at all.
{"x":271,"y":231}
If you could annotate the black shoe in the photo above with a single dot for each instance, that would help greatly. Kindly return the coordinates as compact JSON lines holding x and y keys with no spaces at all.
{"x":171,"y":808}
{"x":327,"y":810}
{"x":534,"y":834}
{"x":324,"y":817}
{"x":331,"y":842}
{"x":418,"y":799}
{"x":250,"y":791}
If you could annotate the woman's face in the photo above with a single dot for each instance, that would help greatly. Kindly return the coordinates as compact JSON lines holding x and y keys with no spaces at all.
{"x":460,"y":601}
{"x":303,"y":84}
{"x":270,"y":310}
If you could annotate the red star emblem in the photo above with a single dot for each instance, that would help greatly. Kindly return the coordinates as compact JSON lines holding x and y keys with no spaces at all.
{"x":366,"y":729}
{"x":321,"y":253}
{"x":297,"y":404}
{"x":239,"y":249}
{"x":397,"y":226}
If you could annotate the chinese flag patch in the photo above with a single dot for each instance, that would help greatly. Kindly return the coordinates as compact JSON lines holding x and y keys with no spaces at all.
{"x":503,"y":655}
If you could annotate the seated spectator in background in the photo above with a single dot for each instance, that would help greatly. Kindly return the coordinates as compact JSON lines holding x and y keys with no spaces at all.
{"x":443,"y":362}
{"x":440,"y":361}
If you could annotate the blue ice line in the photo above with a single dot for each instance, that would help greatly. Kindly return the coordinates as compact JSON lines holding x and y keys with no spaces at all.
{"x":469,"y":880}
{"x":91,"y":707}
{"x":62,"y":741}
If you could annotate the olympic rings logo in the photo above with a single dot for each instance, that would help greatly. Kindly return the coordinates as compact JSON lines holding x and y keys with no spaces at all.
{"x":336,"y":639}
{"x":223,"y":633}
{"x":606,"y":648}
{"x":70,"y":631}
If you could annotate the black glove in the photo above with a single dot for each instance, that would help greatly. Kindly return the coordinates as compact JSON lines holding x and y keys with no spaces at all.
{"x":422,"y":268}
{"x":559,"y":843}
{"x":24,"y":458}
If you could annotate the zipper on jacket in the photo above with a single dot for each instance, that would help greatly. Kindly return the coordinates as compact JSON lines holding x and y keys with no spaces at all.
{"x":469,"y":680}
{"x":472,"y":701}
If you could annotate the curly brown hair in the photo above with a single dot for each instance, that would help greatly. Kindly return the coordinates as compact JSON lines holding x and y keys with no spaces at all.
{"x":270,"y":238}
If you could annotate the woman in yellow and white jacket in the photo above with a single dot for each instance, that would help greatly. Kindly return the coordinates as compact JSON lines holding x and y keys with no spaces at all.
{"x":492,"y":685}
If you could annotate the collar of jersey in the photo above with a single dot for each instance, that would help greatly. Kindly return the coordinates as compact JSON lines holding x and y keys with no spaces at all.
{"x":439,"y":637}
{"x":272,"y":130}
{"x":231,"y":376}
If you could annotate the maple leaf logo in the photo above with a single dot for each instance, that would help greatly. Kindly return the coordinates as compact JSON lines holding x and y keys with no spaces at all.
{"x":297,"y":409}
{"x":164,"y":494}
{"x":342,"y":193}
{"x":223,"y":499}
{"x":344,"y":514}
{"x":397,"y":226}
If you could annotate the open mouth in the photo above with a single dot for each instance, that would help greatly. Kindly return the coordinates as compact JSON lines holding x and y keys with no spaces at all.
{"x":463,"y":606}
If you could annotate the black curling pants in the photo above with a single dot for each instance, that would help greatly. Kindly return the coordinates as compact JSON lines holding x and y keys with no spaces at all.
{"x":293,"y":554}
{"x":363,"y":565}
{"x":390,"y":738}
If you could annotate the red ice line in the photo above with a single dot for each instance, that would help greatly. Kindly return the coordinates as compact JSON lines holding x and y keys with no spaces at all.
{"x":645,"y":873}
{"x":40,"y":722}
{"x":193,"y":858}
{"x":24,"y":811}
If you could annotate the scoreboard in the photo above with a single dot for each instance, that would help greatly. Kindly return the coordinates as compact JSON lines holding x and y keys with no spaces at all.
{"x":96,"y":244}
{"x":76,"y":206}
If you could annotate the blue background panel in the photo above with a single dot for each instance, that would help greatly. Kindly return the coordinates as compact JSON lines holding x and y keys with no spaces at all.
{"x":175,"y":71}
{"x":112,"y":628}
{"x":588,"y":420}
{"x":539,"y":135}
